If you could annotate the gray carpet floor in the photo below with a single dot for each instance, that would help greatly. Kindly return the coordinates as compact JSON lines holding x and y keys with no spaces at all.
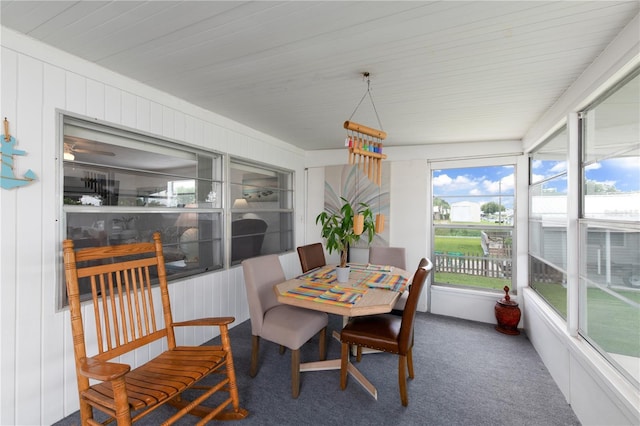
{"x":466,"y":374}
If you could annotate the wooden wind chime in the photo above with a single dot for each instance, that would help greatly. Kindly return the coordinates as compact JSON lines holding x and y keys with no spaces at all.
{"x":365,"y":149}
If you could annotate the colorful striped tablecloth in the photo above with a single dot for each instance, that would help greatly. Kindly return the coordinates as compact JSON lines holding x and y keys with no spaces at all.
{"x":385,"y":281}
{"x":320,"y":284}
{"x":327,"y":293}
{"x":370,"y":267}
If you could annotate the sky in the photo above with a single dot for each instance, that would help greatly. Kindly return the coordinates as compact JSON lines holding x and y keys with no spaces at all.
{"x":621,"y":173}
{"x":496,"y":183}
{"x":476,"y":184}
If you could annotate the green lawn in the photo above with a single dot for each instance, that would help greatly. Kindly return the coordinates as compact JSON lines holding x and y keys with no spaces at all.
{"x":466,"y":244}
{"x":471,"y":280}
{"x":612,"y":323}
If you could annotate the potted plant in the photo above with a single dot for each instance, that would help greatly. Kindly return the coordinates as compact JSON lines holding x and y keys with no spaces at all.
{"x":339,"y":233}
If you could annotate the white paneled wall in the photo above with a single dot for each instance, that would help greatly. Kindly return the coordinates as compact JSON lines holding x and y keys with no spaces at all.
{"x":37,"y":374}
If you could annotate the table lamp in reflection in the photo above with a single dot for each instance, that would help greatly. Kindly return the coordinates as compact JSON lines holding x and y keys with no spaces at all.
{"x":188,"y":222}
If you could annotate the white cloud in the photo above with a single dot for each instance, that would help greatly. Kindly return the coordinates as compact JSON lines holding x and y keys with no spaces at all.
{"x":559,"y":167}
{"x":594,"y":166}
{"x":442,"y":180}
{"x":625,"y":163}
{"x":506,"y":183}
{"x":457,"y":184}
{"x":463,"y":181}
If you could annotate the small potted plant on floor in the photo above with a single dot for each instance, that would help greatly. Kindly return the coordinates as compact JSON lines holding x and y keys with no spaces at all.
{"x":343,"y":229}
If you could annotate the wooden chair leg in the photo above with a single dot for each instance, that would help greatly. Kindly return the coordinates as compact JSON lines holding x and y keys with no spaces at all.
{"x":231,"y":371}
{"x":410,"y":362}
{"x":282,"y":349}
{"x":323,"y":344}
{"x":295,"y":373}
{"x":255,"y":349}
{"x":358,"y":353}
{"x":402,"y":381}
{"x":344,"y":361}
{"x":122,"y":413}
{"x":86,"y":412}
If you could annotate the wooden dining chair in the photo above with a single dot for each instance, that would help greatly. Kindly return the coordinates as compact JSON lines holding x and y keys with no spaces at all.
{"x":127,"y":316}
{"x":387,"y":333}
{"x":311,"y":256}
{"x":288,"y":326}
{"x":391,"y":256}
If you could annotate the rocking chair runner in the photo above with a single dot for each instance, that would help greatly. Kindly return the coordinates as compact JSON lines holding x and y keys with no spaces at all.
{"x":125,"y":320}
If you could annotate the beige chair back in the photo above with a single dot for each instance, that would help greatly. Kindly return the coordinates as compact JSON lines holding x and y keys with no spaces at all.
{"x":392,"y":256}
{"x":260,"y":275}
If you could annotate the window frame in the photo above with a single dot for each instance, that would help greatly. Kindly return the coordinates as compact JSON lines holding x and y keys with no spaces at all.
{"x":552,"y":267}
{"x":606,"y":282}
{"x":496,"y":161}
{"x":205,"y":208}
{"x":257,"y":209}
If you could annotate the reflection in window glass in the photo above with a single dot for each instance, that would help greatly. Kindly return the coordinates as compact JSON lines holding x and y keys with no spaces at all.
{"x":262,"y":210}
{"x":473,"y":217}
{"x":550,"y":159}
{"x":612,"y":125}
{"x":611,"y":159}
{"x":548,"y":199}
{"x":612,"y":188}
{"x":192,"y":241}
{"x":119,"y":187}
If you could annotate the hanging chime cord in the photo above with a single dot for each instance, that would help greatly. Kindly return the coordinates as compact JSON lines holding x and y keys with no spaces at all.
{"x":368,"y":92}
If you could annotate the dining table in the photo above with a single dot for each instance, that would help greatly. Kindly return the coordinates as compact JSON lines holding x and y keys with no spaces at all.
{"x":371,"y":289}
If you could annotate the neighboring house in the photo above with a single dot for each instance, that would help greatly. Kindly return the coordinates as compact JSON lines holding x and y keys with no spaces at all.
{"x":465,"y":211}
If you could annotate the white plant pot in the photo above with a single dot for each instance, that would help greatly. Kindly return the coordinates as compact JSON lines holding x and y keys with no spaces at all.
{"x":342,"y":274}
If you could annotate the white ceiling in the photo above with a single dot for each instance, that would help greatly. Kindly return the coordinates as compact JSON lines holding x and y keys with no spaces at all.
{"x":444,"y":71}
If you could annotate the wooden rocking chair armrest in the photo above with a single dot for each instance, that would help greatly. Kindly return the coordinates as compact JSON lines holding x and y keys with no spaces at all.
{"x":102,"y":370}
{"x":205,"y":321}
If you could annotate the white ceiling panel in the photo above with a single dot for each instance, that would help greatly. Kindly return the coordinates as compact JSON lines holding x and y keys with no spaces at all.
{"x":442,"y":71}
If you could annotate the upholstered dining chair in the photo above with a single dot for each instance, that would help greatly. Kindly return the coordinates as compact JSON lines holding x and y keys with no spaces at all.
{"x":387,"y":333}
{"x":311,"y":256}
{"x":392,"y":256}
{"x":287,"y":326}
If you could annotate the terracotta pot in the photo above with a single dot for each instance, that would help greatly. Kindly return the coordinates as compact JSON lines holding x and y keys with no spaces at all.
{"x":507,"y":314}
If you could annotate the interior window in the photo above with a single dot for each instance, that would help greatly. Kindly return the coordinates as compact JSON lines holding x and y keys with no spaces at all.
{"x":262,"y":210}
{"x":120,"y":187}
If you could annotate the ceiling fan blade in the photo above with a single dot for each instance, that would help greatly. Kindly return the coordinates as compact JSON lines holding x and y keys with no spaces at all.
{"x":91,"y":151}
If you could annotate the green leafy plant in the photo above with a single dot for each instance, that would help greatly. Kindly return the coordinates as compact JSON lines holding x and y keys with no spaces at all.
{"x":337,"y":228}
